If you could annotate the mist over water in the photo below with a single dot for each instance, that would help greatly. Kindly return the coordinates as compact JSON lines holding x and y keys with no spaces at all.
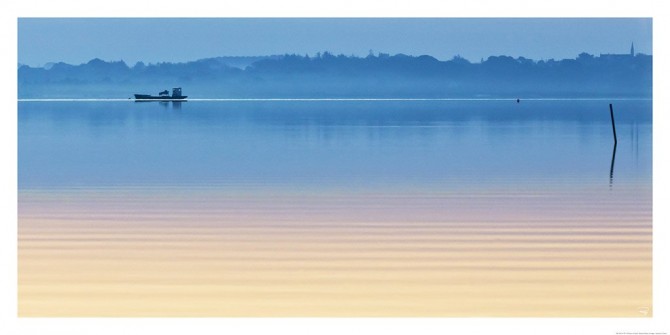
{"x":338,"y":76}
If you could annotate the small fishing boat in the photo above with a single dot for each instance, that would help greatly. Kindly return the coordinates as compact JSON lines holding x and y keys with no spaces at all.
{"x":162,"y":96}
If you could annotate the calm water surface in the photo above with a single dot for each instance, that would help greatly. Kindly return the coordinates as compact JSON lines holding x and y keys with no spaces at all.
{"x":334,"y":208}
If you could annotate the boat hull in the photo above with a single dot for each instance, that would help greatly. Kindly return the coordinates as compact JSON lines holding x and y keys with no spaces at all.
{"x":148,"y":97}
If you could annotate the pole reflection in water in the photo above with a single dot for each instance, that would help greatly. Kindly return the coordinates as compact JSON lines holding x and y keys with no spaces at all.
{"x":612,"y":164}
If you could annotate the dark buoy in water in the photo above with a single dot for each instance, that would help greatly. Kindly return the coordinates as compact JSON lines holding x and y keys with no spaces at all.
{"x":517,"y":100}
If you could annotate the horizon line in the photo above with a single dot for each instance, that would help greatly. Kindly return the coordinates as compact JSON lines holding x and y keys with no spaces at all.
{"x":327,"y":99}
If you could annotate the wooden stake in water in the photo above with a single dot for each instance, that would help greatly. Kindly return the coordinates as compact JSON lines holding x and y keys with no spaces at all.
{"x":613,"y":127}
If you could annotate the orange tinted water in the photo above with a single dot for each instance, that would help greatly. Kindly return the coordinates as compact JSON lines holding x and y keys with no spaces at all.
{"x":208,"y":252}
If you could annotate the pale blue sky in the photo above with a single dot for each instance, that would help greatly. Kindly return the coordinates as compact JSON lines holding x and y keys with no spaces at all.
{"x":75,"y":41}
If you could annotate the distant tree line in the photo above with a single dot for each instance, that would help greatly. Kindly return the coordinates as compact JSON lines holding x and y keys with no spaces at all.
{"x":326,"y":74}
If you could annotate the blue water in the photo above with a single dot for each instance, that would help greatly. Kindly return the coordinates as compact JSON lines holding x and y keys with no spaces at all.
{"x":322,"y":144}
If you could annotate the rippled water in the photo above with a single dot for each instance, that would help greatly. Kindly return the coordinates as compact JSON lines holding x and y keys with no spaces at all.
{"x":334,"y":208}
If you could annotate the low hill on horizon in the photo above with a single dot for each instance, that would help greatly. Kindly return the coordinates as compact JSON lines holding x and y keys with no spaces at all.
{"x":327,"y":75}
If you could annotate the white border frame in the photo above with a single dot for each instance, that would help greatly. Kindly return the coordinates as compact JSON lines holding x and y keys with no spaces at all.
{"x":10,"y":324}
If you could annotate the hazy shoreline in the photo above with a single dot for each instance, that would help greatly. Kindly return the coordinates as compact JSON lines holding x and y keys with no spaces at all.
{"x":330,"y":76}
